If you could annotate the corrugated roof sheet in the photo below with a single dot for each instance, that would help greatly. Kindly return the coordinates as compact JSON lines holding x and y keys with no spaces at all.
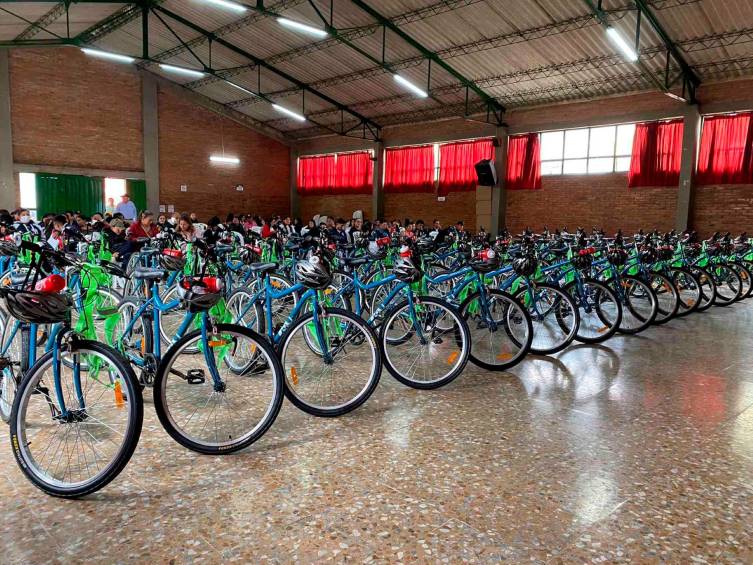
{"x":522,"y":52}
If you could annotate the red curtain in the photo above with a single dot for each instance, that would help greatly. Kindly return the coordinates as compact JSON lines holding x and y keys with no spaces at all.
{"x":457,"y":162}
{"x":523,"y":162}
{"x":725,"y":153}
{"x":409,"y":169}
{"x":353,"y":173}
{"x":316,"y":174}
{"x":657,"y":154}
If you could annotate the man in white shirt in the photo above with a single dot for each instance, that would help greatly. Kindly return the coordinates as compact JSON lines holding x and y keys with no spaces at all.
{"x":127,"y":208}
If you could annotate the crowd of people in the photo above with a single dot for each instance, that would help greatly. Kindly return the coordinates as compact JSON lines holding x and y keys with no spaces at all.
{"x":125,"y":229}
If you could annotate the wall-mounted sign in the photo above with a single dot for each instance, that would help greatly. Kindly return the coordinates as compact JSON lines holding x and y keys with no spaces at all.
{"x":184,"y":188}
{"x":239,"y":187}
{"x":441,"y":198}
{"x":171,"y":208}
{"x":161,"y":208}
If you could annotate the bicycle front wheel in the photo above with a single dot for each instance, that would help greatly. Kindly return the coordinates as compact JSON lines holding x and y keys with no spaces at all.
{"x":554,"y":315}
{"x":226,"y":414}
{"x":331,"y":362}
{"x":426,"y":343}
{"x":77,"y":447}
{"x":501,"y":331}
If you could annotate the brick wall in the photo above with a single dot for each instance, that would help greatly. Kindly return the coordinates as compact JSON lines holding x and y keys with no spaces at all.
{"x":458,"y":206}
{"x":591,"y":200}
{"x":71,"y":110}
{"x":188,"y":135}
{"x":337,"y":206}
{"x":722,"y":208}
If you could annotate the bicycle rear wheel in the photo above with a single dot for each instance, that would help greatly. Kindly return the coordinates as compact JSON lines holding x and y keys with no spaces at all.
{"x":343,"y":379}
{"x":689,"y":289}
{"x":427,"y":345}
{"x":554,"y":315}
{"x":79,"y":451}
{"x":708,"y":288}
{"x":223,"y":417}
{"x":667,"y":297}
{"x":728,"y":284}
{"x":639,"y":304}
{"x":600,"y":310}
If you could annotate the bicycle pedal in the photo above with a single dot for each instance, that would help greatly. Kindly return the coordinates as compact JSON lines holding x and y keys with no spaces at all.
{"x":195,"y":377}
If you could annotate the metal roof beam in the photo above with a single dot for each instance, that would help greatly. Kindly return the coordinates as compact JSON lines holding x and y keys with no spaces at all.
{"x":350,"y":34}
{"x":538,"y":32}
{"x":493,"y":104}
{"x":259,"y":62}
{"x":690,"y":79}
{"x":53,"y":14}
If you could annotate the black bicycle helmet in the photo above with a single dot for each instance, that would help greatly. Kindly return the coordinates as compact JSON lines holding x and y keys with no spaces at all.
{"x":525,"y":266}
{"x":200,"y":293}
{"x":313,"y":273}
{"x":647,"y":254}
{"x":665,"y":253}
{"x":406,"y":270}
{"x":425,"y":245}
{"x":172,"y":260}
{"x":38,"y":307}
{"x":617,"y":256}
{"x":8,"y":249}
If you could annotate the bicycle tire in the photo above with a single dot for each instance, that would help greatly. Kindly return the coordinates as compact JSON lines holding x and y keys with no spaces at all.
{"x":164,"y":414}
{"x":365,"y":392}
{"x":463,"y":341}
{"x":131,"y":437}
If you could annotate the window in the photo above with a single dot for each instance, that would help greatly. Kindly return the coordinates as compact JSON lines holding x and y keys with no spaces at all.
{"x":27,"y":183}
{"x":583,"y":151}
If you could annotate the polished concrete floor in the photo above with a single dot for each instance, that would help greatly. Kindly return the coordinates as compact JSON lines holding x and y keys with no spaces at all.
{"x":637,"y":451}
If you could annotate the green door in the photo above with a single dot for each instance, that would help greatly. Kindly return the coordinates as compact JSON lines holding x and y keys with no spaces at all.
{"x":60,"y":193}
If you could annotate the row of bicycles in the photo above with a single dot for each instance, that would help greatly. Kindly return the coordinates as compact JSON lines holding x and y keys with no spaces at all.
{"x":222,"y":333}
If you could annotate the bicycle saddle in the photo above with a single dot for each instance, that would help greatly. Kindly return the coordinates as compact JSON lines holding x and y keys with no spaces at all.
{"x":263,"y":267}
{"x":355,"y":261}
{"x":148,"y":274}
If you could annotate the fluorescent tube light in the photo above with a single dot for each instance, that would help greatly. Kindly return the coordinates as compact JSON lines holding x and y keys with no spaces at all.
{"x":181,"y":71}
{"x":108,"y":55}
{"x":290,"y":113}
{"x":410,"y":86}
{"x":305,"y":28}
{"x":222,"y":159}
{"x":227,"y":4}
{"x":675,"y":97}
{"x":241,"y":88}
{"x":622,"y":44}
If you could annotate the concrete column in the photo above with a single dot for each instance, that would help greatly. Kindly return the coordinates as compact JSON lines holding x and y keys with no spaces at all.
{"x":295,"y":202}
{"x":150,"y":116}
{"x":499,"y":195}
{"x":690,"y":138}
{"x":7,"y":181}
{"x":377,"y":194}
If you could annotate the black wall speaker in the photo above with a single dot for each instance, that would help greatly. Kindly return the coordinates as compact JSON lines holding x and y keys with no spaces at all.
{"x":486,"y":173}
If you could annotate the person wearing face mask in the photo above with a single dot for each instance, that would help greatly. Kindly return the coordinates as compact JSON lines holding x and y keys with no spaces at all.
{"x":25,"y":224}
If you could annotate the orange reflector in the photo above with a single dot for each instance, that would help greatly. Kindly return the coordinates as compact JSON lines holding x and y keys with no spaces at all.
{"x":217,"y":342}
{"x":452,"y":358}
{"x":690,"y":303}
{"x":504,"y":356}
{"x":328,"y":291}
{"x":119,"y":400}
{"x":143,"y":345}
{"x":276,"y":284}
{"x":294,"y":376}
{"x":602,"y":329}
